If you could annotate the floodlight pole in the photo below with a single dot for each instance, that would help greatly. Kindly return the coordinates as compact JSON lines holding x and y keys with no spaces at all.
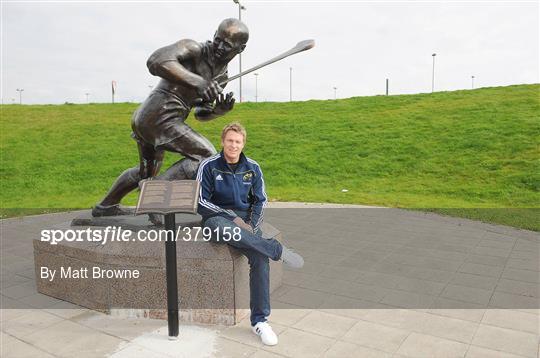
{"x":113,"y":90}
{"x":335,"y":92}
{"x":387,"y":86}
{"x":87,"y":94}
{"x":240,"y":8}
{"x":290,"y":84}
{"x":472,"y":84}
{"x":433,"y":74}
{"x":172,"y":281}
{"x":20,"y":90}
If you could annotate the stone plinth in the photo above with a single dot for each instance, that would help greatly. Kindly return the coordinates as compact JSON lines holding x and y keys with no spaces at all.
{"x":213,"y":279}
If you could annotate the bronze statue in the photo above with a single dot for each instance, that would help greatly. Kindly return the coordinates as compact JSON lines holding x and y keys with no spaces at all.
{"x":191,"y":74}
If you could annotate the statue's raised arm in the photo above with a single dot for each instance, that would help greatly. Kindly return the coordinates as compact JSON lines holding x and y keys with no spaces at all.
{"x":168,"y":63}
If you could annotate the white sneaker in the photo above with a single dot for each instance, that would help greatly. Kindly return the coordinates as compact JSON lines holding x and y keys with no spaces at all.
{"x":291,"y":258}
{"x":263,"y":330}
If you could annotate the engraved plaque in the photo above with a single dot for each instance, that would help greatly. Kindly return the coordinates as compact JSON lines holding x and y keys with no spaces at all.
{"x":166,"y":197}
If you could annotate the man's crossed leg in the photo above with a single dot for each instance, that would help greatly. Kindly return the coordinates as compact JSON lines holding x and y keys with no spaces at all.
{"x":258,"y":250}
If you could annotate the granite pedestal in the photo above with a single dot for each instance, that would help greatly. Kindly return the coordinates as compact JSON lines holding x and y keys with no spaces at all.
{"x":213,"y":279}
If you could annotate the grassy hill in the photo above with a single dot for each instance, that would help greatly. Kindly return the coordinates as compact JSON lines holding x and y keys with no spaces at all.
{"x":468,"y":153}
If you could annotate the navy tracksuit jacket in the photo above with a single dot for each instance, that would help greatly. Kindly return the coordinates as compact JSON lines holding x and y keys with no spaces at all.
{"x":228,"y":193}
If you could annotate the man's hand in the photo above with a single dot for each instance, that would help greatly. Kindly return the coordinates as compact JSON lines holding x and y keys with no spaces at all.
{"x":209,"y":90}
{"x":223,"y":104}
{"x":241,"y":223}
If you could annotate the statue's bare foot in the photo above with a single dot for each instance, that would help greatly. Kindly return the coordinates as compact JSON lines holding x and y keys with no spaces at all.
{"x":112,"y":210}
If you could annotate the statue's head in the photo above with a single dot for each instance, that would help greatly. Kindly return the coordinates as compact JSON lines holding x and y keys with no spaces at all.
{"x":230,"y":39}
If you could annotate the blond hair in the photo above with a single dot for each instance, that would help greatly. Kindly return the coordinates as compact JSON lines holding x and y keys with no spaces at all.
{"x":235,"y":127}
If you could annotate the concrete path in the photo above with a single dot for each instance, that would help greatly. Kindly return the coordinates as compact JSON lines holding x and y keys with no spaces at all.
{"x":377,"y":283}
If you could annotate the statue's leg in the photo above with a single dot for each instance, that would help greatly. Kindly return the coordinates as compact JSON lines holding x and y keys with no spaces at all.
{"x":195,"y":148}
{"x":150,"y":161}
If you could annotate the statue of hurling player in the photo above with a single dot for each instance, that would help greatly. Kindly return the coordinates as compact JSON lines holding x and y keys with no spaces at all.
{"x":190,"y":75}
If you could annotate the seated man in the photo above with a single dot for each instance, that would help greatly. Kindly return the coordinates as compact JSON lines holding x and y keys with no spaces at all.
{"x":233,"y":196}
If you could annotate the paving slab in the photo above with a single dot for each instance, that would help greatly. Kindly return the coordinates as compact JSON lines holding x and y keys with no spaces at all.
{"x":486,"y":260}
{"x":516,"y":320}
{"x":458,"y":309}
{"x":481,"y":269}
{"x":506,"y":340}
{"x":296,"y":343}
{"x":475,"y":281}
{"x":449,"y":328}
{"x":15,"y":348}
{"x":30,"y":322}
{"x":226,"y":348}
{"x":403,"y":319}
{"x":325,"y":324}
{"x":376,"y":336}
{"x":480,"y":352}
{"x":68,"y":339}
{"x":422,"y":345}
{"x":344,"y":349}
{"x":467,"y":294}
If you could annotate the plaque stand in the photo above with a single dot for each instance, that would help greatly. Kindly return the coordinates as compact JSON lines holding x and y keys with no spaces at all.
{"x":172,"y":282}
{"x":167,"y":198}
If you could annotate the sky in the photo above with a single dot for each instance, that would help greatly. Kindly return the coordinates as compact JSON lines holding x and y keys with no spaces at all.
{"x":58,"y":51}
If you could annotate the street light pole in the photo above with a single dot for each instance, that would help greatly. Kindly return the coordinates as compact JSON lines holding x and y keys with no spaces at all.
{"x":472,"y":84}
{"x":433,"y":74}
{"x":290,"y":84}
{"x":113,"y":90}
{"x":240,"y":8}
{"x":335,"y":92}
{"x":256,"y":87}
{"x":20,"y":90}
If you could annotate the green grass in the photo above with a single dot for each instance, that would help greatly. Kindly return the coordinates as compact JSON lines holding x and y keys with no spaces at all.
{"x":466,"y":153}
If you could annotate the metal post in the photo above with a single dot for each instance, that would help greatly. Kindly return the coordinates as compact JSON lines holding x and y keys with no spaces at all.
{"x":433,"y":74}
{"x":240,"y":8}
{"x":20,"y":90}
{"x":87,"y":94}
{"x":113,"y":90}
{"x":240,"y":55}
{"x":256,"y":87}
{"x":290,"y":84}
{"x":472,"y":85}
{"x":387,"y":86}
{"x":172,"y":283}
{"x":335,"y":92}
